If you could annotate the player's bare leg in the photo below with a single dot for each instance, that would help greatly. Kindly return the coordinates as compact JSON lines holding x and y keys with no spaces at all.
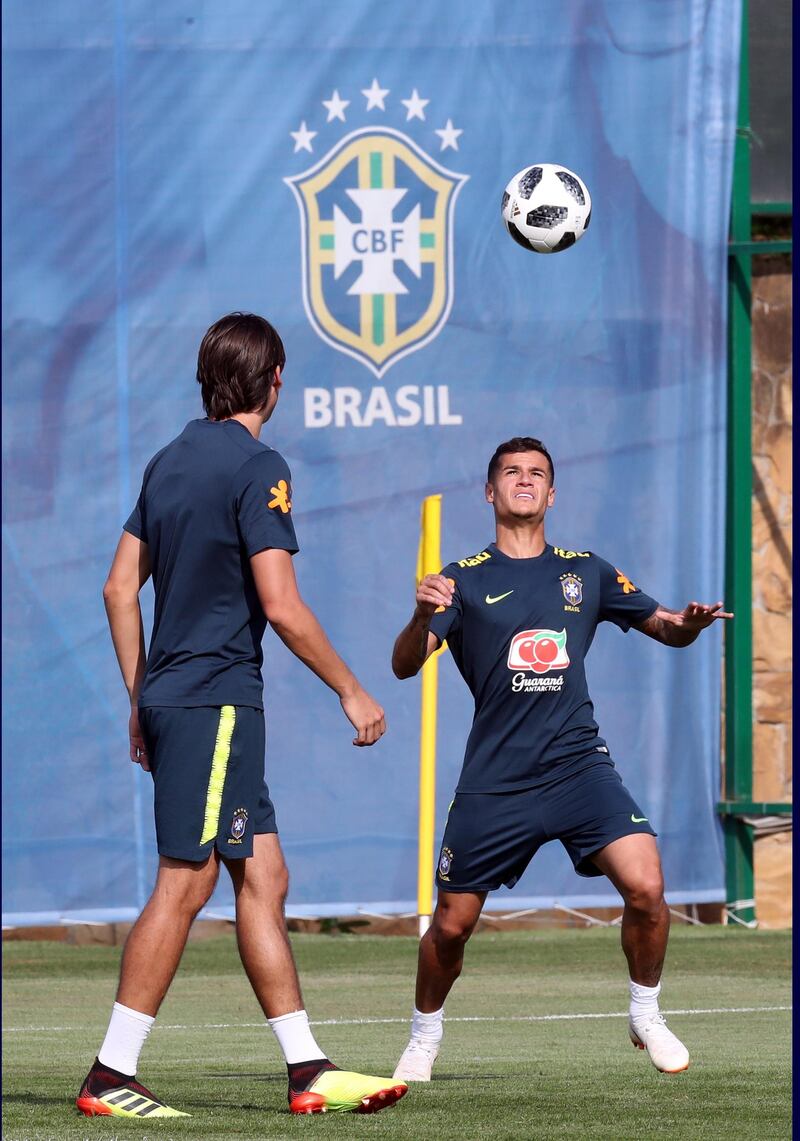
{"x":441,"y":957}
{"x":441,"y":949}
{"x":260,"y":884}
{"x":152,"y":952}
{"x":633,"y":865}
{"x":315,"y":1085}
{"x":156,"y":941}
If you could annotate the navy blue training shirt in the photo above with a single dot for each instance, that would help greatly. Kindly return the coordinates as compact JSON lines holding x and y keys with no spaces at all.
{"x":209,"y":500}
{"x":519,"y":630}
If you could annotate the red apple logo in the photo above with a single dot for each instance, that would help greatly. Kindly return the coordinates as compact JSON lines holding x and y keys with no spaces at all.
{"x":527,"y":650}
{"x":546,"y":650}
{"x":538,"y":650}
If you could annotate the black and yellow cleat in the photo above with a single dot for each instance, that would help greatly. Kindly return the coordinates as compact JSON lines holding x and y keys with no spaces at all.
{"x":107,"y":1093}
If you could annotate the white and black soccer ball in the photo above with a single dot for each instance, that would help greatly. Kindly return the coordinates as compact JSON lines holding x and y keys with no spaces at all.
{"x":546,"y":208}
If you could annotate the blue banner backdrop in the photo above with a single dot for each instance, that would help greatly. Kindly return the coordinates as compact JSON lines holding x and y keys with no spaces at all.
{"x":338,"y":167}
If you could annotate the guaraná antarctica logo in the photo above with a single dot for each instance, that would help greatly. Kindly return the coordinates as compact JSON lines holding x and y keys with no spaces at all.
{"x":376,"y":222}
{"x":539,"y":652}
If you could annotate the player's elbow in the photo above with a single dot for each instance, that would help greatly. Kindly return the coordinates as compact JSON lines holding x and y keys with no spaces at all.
{"x":285,"y":617}
{"x":277,"y":618}
{"x":117,"y":592}
{"x":402,"y":668}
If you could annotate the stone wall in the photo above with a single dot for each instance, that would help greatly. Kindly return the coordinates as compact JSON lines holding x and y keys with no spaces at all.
{"x":772,"y":576}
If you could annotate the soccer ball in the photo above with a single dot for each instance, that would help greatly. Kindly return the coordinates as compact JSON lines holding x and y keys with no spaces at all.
{"x":546,"y":208}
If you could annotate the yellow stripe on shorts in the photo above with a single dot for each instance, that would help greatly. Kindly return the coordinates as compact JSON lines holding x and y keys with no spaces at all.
{"x":219,"y":768}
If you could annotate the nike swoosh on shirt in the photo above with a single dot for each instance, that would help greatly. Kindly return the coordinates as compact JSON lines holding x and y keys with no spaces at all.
{"x":499,"y":597}
{"x":638,"y":819}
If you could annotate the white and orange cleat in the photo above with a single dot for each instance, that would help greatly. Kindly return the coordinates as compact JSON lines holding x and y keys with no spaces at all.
{"x":667,"y":1053}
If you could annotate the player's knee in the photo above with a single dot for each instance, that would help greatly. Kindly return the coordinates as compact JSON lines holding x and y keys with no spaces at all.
{"x":646,"y":893}
{"x":200,"y":894}
{"x":188,"y":894}
{"x":280,"y":886}
{"x":267,"y":886}
{"x":451,"y":930}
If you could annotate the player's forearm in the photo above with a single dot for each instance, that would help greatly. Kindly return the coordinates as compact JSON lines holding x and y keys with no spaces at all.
{"x":298,"y":628}
{"x":411,"y":647}
{"x":125,"y":622}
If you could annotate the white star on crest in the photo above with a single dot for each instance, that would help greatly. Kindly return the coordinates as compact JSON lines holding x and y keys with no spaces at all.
{"x":335,"y":106}
{"x":302,"y":138}
{"x":375,"y":95}
{"x":449,"y":136}
{"x":415,"y":106}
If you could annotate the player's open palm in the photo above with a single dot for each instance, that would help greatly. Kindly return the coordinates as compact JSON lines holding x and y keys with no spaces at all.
{"x":434,"y":591}
{"x":698,"y":615}
{"x":365,"y":715}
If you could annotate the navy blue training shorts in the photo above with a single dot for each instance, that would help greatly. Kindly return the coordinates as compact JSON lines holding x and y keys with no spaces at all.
{"x":208,"y":773}
{"x":490,"y":838}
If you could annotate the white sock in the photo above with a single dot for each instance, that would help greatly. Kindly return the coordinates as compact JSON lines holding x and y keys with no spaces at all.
{"x":127,"y":1033}
{"x":427,"y":1028}
{"x":644,"y":1000}
{"x":295,"y":1038}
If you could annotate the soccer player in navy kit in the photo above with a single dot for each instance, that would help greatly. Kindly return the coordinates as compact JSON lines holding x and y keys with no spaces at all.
{"x":213,"y":525}
{"x":519,"y":618}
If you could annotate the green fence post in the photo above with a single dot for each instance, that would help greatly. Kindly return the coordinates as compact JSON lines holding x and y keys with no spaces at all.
{"x":739,"y":527}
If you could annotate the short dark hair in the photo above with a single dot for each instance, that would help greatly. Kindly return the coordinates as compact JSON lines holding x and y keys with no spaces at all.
{"x":519,"y":444}
{"x":236,"y":364}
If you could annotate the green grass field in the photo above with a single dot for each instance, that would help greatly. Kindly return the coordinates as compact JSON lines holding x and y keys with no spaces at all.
{"x":514,"y":1063}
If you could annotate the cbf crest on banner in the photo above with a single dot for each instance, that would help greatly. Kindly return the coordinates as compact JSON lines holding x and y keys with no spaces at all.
{"x":376,"y":222}
{"x":377,"y":227}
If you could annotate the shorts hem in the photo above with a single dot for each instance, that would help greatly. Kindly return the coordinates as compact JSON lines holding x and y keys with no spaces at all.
{"x":595,"y":871}
{"x":235,"y":853}
{"x":459,"y":890}
{"x":195,"y":858}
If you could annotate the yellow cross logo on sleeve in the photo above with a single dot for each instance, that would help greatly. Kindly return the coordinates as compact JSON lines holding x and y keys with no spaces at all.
{"x":623,"y":580}
{"x":281,"y":500}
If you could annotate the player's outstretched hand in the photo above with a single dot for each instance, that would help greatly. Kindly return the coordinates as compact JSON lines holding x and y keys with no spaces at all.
{"x":137,"y":746}
{"x":697,"y":616}
{"x":365,"y":715}
{"x":434,"y":591}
